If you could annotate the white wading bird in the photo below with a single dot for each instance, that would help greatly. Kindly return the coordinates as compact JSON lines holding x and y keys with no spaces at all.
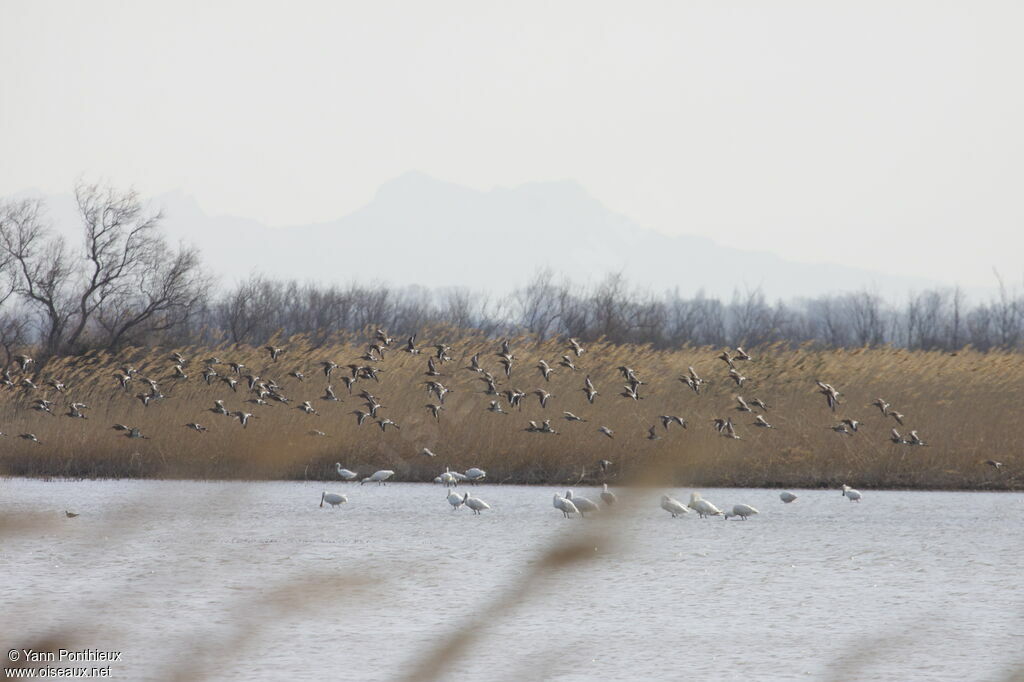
{"x":673,"y":506}
{"x":849,"y":492}
{"x":448,"y":478}
{"x":583,"y":504}
{"x":703,"y":508}
{"x":454,"y":500}
{"x":475,"y":503}
{"x":378,"y":477}
{"x":565,"y":506}
{"x":742,"y":511}
{"x":345,"y":474}
{"x":608,"y":496}
{"x":332,"y":499}
{"x":474,"y":475}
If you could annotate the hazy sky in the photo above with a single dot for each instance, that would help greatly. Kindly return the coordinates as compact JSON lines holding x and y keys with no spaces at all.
{"x":881,"y":134}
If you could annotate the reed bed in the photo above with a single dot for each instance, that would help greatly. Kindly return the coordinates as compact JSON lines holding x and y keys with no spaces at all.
{"x":962,"y":404}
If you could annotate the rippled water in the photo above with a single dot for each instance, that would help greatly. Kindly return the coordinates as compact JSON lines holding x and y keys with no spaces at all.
{"x":904,"y":585}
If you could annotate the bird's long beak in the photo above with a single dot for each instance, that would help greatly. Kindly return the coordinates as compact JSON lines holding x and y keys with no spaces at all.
{"x":322,"y":499}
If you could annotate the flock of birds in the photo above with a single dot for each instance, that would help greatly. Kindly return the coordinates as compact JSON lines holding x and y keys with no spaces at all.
{"x":569,"y":504}
{"x":264,"y":391}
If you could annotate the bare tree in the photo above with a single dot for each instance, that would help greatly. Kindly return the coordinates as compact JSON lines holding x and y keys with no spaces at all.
{"x":124,"y":274}
{"x":126,"y":285}
{"x":168,"y":290}
{"x":39,"y":268}
{"x":1007,"y":314}
{"x":535,"y":304}
{"x":865,"y":313}
{"x":13,"y":335}
{"x":610,"y":308}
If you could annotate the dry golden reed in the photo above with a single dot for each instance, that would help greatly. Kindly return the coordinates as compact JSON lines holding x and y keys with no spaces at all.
{"x":961,"y":404}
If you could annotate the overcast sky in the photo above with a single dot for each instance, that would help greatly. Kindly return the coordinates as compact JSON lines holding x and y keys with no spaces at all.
{"x":881,"y":134}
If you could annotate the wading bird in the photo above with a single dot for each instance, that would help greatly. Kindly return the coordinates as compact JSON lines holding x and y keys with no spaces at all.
{"x":742,"y":511}
{"x":475,"y":503}
{"x":583,"y":504}
{"x":345,"y":474}
{"x":565,"y":506}
{"x":474,"y":475}
{"x":703,"y":508}
{"x":853,"y":495}
{"x":332,"y":499}
{"x":378,"y":477}
{"x":673,"y":506}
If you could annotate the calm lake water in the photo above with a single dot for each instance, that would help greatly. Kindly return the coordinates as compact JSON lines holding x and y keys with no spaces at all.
{"x":255,"y":581}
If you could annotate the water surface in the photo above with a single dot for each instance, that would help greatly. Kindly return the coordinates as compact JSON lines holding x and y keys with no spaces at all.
{"x":255,"y":580}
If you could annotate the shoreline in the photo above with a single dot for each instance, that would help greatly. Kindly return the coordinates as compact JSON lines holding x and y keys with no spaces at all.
{"x":1011,"y":488}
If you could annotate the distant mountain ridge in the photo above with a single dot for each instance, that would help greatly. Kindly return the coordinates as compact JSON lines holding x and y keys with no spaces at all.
{"x":421,"y":231}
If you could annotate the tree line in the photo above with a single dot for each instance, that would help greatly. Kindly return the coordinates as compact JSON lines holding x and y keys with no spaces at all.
{"x":121,"y":283}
